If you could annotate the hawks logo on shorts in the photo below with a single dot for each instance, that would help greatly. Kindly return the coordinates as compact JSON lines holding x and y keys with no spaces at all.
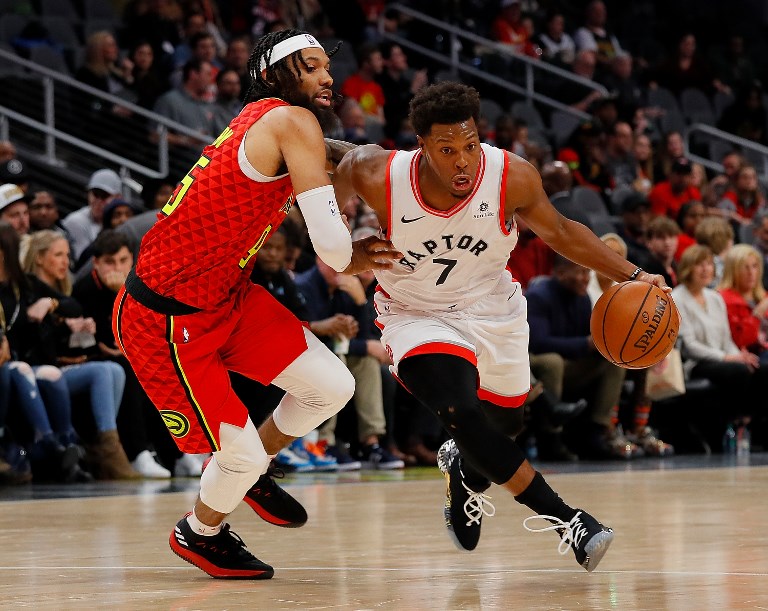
{"x":176,"y":422}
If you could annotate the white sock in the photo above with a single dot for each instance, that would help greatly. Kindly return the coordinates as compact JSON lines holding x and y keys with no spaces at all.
{"x":202,"y":529}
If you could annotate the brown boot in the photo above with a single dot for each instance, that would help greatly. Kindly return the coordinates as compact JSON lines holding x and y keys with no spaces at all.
{"x":107,"y":458}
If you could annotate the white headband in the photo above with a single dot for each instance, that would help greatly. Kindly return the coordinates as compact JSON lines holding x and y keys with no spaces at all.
{"x":288,"y":46}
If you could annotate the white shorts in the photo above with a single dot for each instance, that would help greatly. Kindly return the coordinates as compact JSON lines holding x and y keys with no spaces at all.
{"x":492,"y":334}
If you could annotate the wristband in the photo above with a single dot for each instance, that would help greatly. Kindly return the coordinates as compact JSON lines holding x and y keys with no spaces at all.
{"x":635,"y":274}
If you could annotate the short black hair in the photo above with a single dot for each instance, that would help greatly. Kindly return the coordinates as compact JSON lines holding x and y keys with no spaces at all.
{"x":364,"y":52}
{"x":109,"y":242}
{"x":197,"y":37}
{"x":192,"y":65}
{"x":444,"y":103}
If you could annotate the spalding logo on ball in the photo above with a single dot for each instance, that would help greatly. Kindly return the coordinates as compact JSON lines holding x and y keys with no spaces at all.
{"x":634,"y":324}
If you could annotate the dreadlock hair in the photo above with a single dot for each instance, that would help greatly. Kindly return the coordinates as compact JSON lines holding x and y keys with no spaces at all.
{"x":445,"y":103}
{"x":284,"y":73}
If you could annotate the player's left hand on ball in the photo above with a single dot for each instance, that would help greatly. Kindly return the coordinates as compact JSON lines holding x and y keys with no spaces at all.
{"x":655,"y":279}
{"x":372,"y":253}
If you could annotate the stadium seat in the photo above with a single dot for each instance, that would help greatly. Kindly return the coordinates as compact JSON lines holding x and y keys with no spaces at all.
{"x":490,"y":110}
{"x":529,"y":113}
{"x":99,"y":9}
{"x":445,"y":75}
{"x":49,"y":58}
{"x":62,"y":32}
{"x":563,"y":125}
{"x":661,"y":97}
{"x":589,"y":202}
{"x":11,"y":26}
{"x":719,"y":149}
{"x":602,"y":224}
{"x":721,"y":101}
{"x":672,"y":121}
{"x":59,"y":8}
{"x":696,"y":107}
{"x":9,"y":68}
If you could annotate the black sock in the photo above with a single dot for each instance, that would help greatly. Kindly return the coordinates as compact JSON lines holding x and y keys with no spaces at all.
{"x":539,"y":497}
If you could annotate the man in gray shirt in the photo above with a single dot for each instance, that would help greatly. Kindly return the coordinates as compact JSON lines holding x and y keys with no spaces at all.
{"x":84,"y":224}
{"x":187,"y":105}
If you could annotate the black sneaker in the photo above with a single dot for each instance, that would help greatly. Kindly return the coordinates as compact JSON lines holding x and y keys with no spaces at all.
{"x":588,"y":539}
{"x":464,"y":507}
{"x":344,"y":462}
{"x":273,"y":504}
{"x":223,"y":556}
{"x":270,"y":502}
{"x":375,"y":457}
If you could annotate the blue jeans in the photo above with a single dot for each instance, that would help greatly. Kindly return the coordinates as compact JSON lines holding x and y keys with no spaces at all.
{"x":44,"y":403}
{"x":104,"y":381}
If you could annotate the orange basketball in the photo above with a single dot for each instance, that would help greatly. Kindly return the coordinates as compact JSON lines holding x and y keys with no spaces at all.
{"x":634,"y":324}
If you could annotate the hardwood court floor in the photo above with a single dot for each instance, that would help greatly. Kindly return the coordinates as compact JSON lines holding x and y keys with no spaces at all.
{"x":686,"y":539}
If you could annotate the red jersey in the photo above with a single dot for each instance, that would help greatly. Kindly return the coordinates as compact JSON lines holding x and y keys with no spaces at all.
{"x":203,"y":247}
{"x":665,"y":202}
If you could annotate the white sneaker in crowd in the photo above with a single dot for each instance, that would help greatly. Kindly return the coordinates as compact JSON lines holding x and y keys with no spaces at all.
{"x":189,"y":465}
{"x":148,"y":467}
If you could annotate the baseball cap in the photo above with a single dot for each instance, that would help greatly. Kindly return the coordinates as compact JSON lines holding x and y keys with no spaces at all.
{"x":106,"y":180}
{"x":13,"y":171}
{"x":117,"y":202}
{"x":634,"y":201}
{"x":10,"y":194}
{"x":681,"y":165}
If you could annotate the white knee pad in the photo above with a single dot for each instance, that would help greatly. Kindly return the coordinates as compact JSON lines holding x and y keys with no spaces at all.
{"x":234,"y":469}
{"x":318,"y":386}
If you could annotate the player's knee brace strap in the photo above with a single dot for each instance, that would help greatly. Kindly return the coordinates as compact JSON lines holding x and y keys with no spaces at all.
{"x":234,"y":469}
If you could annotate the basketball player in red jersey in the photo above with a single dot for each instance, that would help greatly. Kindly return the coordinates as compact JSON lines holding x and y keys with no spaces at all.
{"x":188,"y":312}
{"x":454,"y":319}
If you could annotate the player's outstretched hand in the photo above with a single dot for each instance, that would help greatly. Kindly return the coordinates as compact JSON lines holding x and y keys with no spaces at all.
{"x":372,"y":253}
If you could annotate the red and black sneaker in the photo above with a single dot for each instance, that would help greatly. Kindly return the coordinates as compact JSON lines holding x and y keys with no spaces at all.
{"x":223,"y":556}
{"x":271,"y":503}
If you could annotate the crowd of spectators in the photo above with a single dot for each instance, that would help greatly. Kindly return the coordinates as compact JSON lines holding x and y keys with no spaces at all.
{"x":621,"y":173}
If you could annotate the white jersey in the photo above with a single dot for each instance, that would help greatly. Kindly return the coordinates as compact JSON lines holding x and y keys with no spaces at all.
{"x":453,"y":258}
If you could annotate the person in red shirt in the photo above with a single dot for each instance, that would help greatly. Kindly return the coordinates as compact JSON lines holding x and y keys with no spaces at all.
{"x":667,"y":196}
{"x":745,"y":198}
{"x":362,"y":85}
{"x":189,"y":314}
{"x":688,"y":218}
{"x":532,"y":256}
{"x":745,"y":299}
{"x":509,"y":28}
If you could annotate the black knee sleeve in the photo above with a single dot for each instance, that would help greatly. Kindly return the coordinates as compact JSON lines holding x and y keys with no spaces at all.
{"x":509,"y":420}
{"x":447,"y":385}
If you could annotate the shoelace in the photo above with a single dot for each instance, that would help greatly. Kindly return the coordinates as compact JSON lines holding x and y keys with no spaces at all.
{"x":274,"y":471}
{"x":234,"y":540}
{"x":573,"y":531}
{"x":475,"y":506}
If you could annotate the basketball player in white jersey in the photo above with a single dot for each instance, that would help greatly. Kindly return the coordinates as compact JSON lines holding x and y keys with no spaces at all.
{"x":453,"y":317}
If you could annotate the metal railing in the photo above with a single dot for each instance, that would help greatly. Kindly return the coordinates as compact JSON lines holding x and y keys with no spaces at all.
{"x":457,"y":65}
{"x":757,"y":154}
{"x":53,"y":135}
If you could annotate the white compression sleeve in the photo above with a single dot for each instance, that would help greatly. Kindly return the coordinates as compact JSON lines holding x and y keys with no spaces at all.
{"x":329,"y":235}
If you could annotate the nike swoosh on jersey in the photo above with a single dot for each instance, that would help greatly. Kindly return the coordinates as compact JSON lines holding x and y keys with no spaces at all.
{"x":405,"y":220}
